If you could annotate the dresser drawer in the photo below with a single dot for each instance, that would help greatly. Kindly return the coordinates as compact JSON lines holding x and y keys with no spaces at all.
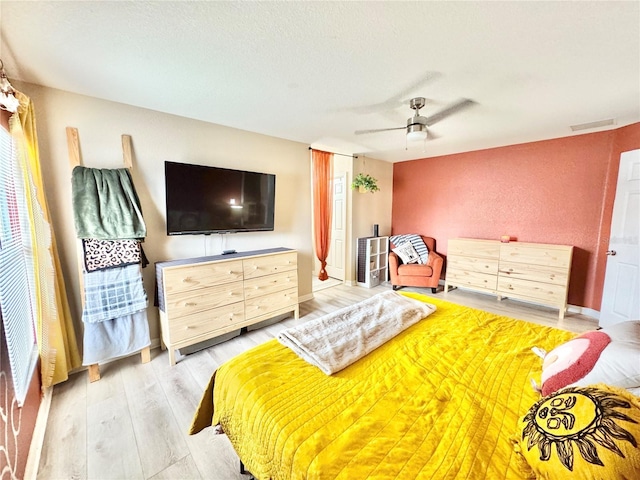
{"x":199,"y":275}
{"x":255,"y":307}
{"x":537,"y":254}
{"x":473,"y":248}
{"x":473,"y":264}
{"x":545,"y":293}
{"x":476,"y":280}
{"x":257,"y":287}
{"x":534,"y":273}
{"x":180,"y":304}
{"x":204,"y":323}
{"x":267,"y":265}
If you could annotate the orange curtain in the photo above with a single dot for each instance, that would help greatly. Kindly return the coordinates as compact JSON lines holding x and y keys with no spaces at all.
{"x":322,"y":164}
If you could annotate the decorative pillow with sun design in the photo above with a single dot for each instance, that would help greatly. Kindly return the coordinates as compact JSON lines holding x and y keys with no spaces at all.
{"x":582,"y":432}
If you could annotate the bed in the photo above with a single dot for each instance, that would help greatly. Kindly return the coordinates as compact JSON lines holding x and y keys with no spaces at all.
{"x":441,"y":400}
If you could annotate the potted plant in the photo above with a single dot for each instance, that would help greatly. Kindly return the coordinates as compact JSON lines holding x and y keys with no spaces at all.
{"x":365,"y":183}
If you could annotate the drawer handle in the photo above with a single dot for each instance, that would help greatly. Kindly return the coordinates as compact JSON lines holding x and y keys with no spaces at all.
{"x":190,"y":304}
{"x":186,"y":279}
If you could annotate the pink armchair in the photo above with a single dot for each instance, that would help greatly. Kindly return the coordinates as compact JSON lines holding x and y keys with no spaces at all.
{"x":415,"y":274}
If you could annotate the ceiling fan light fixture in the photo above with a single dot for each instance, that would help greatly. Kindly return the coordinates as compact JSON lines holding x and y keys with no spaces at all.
{"x":416,"y":132}
{"x":417,"y":128}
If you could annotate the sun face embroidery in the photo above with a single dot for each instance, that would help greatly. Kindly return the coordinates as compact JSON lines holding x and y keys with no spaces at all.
{"x":585,"y":418}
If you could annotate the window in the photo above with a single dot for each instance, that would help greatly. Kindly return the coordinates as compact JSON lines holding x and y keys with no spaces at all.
{"x":17,"y":270}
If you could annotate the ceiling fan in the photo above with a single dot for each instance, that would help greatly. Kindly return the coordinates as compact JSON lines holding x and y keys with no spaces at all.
{"x":417,"y":126}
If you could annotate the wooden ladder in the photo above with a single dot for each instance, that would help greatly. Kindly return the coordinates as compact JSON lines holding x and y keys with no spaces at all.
{"x":75,"y":159}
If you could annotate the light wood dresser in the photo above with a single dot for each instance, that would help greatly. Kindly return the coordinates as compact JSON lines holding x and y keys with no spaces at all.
{"x":202,"y":298}
{"x":533,"y":272}
{"x":473,"y":264}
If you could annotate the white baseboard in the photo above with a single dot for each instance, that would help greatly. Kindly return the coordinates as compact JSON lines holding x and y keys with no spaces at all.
{"x":589,"y":312}
{"x":37,"y":439}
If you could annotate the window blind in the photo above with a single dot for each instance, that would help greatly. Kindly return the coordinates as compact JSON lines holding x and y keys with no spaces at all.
{"x":17,"y":272}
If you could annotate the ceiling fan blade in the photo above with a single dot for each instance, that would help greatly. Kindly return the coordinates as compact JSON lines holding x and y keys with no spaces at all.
{"x":449,"y":110}
{"x":376,"y":130}
{"x":399,"y":99}
{"x":428,"y":77}
{"x":431,"y":135}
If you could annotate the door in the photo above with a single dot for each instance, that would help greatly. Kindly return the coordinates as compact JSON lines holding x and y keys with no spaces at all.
{"x":620,"y":296}
{"x":335,"y":260}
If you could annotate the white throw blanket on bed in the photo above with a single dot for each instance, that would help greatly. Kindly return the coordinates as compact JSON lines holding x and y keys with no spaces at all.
{"x":336,"y":340}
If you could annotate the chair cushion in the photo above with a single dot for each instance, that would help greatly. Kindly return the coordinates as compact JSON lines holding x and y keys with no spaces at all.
{"x":416,"y":241}
{"x":416,"y":270}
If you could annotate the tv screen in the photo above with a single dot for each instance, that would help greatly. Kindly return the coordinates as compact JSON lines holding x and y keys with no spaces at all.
{"x":203,"y":199}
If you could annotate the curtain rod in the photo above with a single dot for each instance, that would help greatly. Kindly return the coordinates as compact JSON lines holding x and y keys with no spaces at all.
{"x":341,"y":154}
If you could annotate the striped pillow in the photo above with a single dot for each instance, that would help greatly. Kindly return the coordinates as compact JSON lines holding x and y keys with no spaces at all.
{"x":417,"y":243}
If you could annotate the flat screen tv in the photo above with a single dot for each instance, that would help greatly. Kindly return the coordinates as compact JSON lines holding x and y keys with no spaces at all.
{"x":204,"y":199}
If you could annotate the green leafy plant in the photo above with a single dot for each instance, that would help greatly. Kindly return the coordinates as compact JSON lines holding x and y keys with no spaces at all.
{"x":365,"y":182}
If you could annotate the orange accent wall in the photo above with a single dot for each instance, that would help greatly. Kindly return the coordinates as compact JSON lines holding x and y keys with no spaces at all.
{"x":554,"y":191}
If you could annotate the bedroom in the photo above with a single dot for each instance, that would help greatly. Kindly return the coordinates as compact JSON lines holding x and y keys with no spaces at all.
{"x":159,"y":136}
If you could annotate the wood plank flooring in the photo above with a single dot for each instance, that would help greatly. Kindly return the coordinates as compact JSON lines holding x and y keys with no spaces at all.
{"x":133,"y":423}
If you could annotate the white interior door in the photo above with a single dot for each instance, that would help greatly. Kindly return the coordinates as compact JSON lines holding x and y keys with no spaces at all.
{"x":336,"y":257}
{"x":620,"y":297}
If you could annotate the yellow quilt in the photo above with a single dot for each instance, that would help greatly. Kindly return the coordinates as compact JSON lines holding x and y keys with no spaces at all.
{"x":439,"y":401}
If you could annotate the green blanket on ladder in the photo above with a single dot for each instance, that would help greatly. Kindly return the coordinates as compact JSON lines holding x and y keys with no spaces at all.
{"x":105,"y":204}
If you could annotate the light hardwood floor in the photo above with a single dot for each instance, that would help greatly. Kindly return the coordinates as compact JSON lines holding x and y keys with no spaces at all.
{"x":132,"y":424}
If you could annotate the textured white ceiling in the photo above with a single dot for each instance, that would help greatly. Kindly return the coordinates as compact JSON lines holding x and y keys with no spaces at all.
{"x":315,"y":72}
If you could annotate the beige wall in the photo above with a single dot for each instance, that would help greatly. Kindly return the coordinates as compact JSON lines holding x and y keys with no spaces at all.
{"x":158,"y":137}
{"x":368,"y":208}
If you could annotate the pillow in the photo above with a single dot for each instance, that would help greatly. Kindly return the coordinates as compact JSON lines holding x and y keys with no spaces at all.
{"x":417,"y":243}
{"x":407,"y":253}
{"x":581,"y":432}
{"x":610,"y":355}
